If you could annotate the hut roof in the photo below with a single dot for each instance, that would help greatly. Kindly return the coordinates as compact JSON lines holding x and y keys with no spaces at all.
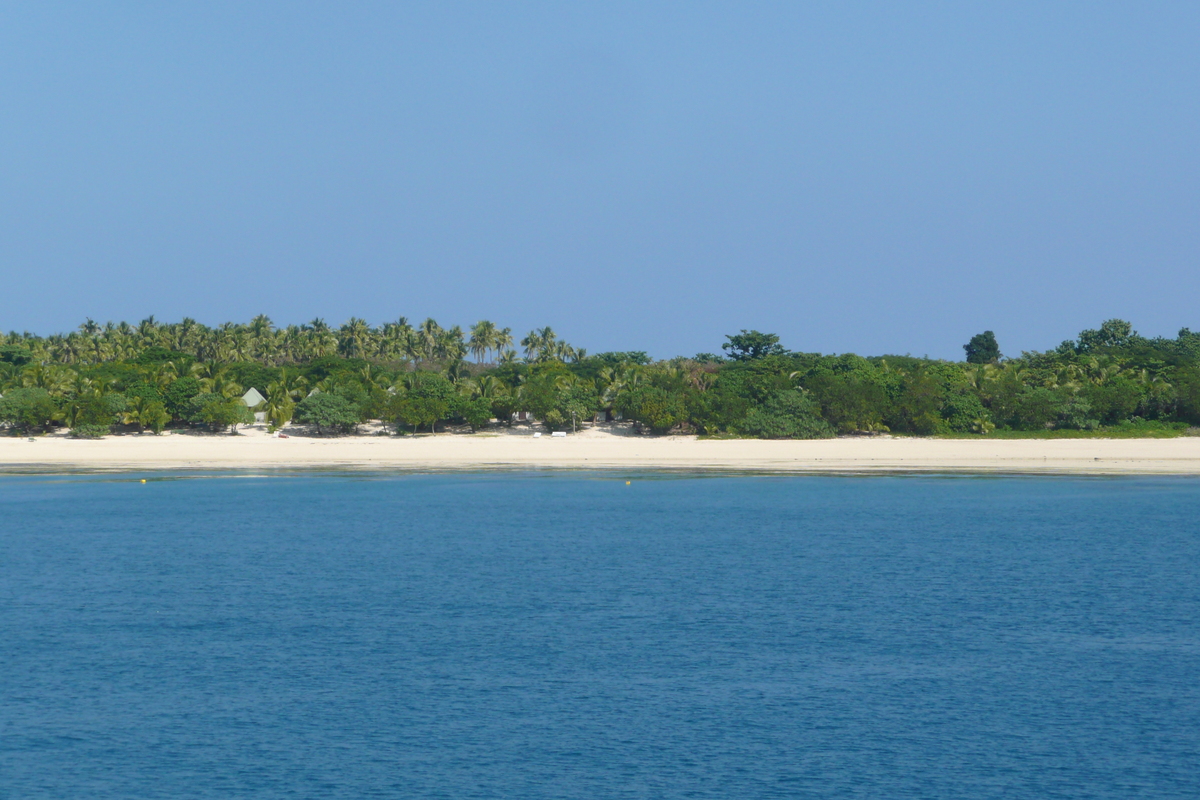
{"x":252,"y":397}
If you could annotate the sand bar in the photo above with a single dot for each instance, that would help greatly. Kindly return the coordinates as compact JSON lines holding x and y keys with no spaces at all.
{"x":600,"y":449}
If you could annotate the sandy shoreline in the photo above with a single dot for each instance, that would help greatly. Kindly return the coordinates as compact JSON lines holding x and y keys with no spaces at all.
{"x":598,"y":450}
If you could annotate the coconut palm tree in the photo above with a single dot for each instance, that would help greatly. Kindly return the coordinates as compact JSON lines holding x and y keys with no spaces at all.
{"x":451,"y":344}
{"x":429,"y":333}
{"x":395,"y":339}
{"x":145,"y":414}
{"x":456,"y":371}
{"x":261,"y":325}
{"x":537,"y":342}
{"x":53,"y":378}
{"x":483,"y":339}
{"x":220,"y":382}
{"x":502,"y":340}
{"x":147,"y":331}
{"x":281,"y":402}
{"x":354,"y":337}
{"x":291,"y":384}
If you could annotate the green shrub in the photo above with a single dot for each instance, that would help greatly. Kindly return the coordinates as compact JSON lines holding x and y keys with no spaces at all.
{"x":1115,"y":400}
{"x":1076,"y":413}
{"x":652,"y":407}
{"x":161,"y":355}
{"x":475,"y":411}
{"x":176,"y":398}
{"x":216,"y":412}
{"x":1037,"y":408}
{"x":87,"y":431}
{"x":224,"y":412}
{"x":146,"y":391}
{"x":503,"y":408}
{"x":329,"y":413}
{"x":965,"y":413}
{"x":103,"y":410}
{"x":26,"y":409}
{"x":787,"y":415}
{"x":425,"y":400}
{"x":193,"y":410}
{"x":917,"y":405}
{"x":15,"y":354}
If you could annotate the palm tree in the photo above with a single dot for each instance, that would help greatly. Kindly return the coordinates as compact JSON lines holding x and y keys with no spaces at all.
{"x":220,"y":382}
{"x":291,"y":384}
{"x":502,"y":340}
{"x":456,"y":370}
{"x":537,"y":342}
{"x":147,"y":330}
{"x":54,"y":379}
{"x":145,"y":414}
{"x":371,"y":378}
{"x":261,"y":325}
{"x":561,"y":351}
{"x":483,"y":339}
{"x":281,"y":401}
{"x":450,"y":344}
{"x":429,"y":333}
{"x":395,"y":339}
{"x":353,"y":337}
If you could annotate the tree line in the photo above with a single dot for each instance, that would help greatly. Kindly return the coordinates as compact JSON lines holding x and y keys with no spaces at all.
{"x":154,"y":376}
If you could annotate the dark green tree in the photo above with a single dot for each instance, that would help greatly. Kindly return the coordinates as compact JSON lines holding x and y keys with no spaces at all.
{"x":27,"y":409}
{"x":982,"y":349}
{"x":226,"y":412}
{"x":425,"y":400}
{"x":751,"y":345}
{"x":475,"y":411}
{"x":98,"y":412}
{"x":653,"y":407}
{"x":787,"y":415}
{"x":851,"y":402}
{"x":329,"y":413}
{"x":1113,"y":333}
{"x":917,"y":406}
{"x":178,"y":393}
{"x":15,"y":354}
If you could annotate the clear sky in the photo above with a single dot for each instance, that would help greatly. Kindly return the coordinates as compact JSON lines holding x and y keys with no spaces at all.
{"x":877,"y":178}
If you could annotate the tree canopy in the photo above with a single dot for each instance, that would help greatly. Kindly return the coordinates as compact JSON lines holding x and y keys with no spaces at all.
{"x":982,"y":349}
{"x":750,"y":345}
{"x":153,"y":375}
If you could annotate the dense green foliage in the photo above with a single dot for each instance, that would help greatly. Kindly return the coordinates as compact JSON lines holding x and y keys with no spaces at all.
{"x":329,"y":412}
{"x":425,"y":377}
{"x":787,"y":415}
{"x":27,"y":409}
{"x":982,"y":349}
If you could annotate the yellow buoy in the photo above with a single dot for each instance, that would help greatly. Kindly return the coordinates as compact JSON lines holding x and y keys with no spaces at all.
{"x":143,"y":480}
{"x":626,"y":483}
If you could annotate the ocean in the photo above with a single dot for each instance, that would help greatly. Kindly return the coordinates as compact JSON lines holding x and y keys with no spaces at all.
{"x":574,"y":635}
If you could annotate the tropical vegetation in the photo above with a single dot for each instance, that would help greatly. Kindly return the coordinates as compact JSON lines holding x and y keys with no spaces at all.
{"x":415,"y":378}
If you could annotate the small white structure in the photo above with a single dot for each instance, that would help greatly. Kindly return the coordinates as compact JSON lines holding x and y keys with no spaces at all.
{"x":252,"y":398}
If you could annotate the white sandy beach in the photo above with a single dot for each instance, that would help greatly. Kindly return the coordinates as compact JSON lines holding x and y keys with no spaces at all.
{"x":613,"y":447}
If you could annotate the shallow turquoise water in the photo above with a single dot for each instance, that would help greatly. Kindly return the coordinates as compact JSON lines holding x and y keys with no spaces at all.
{"x":569,"y":636}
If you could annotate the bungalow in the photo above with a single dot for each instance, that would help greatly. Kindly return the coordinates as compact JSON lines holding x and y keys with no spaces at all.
{"x":253,"y":399}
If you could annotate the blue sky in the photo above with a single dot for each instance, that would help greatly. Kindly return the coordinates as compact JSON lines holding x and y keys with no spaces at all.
{"x":876,"y":178}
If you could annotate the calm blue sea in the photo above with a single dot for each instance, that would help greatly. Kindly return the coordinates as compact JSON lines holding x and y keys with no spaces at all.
{"x":574,"y":636}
